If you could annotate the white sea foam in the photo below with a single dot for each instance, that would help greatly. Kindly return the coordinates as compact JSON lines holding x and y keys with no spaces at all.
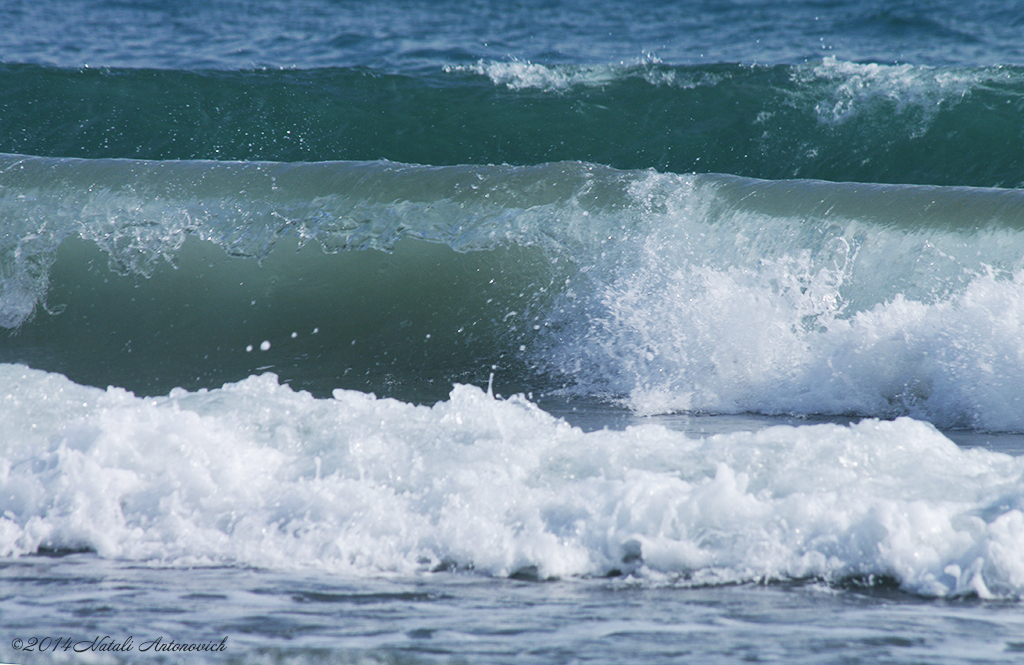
{"x":773,"y":341}
{"x":257,"y":474}
{"x":730,"y":309}
{"x":851,"y":88}
{"x":521,"y":74}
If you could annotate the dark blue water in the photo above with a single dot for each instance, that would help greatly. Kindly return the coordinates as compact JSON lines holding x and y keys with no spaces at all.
{"x":417,"y":37}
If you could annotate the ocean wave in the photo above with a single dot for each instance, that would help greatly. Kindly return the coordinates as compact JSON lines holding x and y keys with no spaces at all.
{"x":257,"y":474}
{"x":702,"y":293}
{"x":826,"y":119}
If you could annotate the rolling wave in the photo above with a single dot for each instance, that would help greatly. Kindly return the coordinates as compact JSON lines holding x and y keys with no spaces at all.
{"x":828,"y":119}
{"x":254,"y":474}
{"x":705,"y":293}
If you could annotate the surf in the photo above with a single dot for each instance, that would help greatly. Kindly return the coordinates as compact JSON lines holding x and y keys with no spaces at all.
{"x":667,"y":293}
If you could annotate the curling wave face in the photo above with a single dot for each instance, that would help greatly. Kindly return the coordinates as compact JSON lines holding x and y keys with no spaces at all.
{"x":701,"y":293}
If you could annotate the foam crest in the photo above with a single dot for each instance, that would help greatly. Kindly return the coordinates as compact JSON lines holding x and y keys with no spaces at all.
{"x":524,"y":75}
{"x":256,"y":474}
{"x":140,"y":212}
{"x":727,"y":306}
{"x":771,"y":342}
{"x":855,"y":88}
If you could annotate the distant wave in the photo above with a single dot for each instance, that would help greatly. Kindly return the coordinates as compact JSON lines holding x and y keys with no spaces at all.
{"x":829,"y":119}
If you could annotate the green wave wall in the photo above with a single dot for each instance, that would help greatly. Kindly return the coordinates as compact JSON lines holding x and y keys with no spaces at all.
{"x":827,"y":120}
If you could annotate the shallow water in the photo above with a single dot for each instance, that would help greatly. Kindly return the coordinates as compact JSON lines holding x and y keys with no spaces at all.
{"x":303,"y":617}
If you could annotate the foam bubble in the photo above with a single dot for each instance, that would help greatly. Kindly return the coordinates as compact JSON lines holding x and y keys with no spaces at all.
{"x":257,"y":474}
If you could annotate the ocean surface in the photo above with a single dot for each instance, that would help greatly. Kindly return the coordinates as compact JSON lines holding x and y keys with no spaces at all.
{"x":525,"y":332}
